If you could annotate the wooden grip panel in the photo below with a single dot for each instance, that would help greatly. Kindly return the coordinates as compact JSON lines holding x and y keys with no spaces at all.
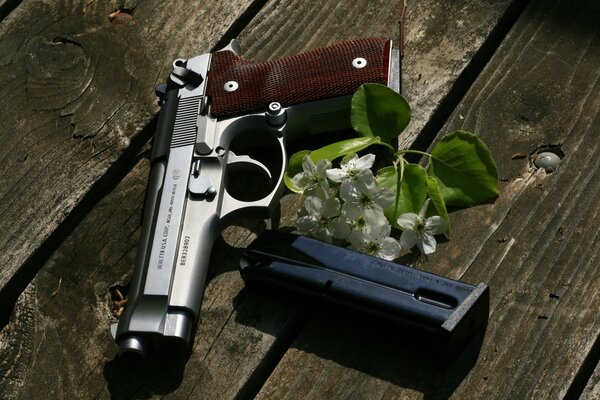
{"x":314,"y":75}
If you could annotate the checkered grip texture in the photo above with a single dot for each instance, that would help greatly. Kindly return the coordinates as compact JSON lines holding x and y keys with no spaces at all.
{"x":314,"y":75}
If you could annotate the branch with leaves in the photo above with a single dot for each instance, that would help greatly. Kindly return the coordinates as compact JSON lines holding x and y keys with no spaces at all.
{"x":358,"y":208}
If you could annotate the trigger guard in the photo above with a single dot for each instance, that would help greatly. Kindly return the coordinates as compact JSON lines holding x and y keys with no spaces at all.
{"x":264,"y":208}
{"x":246,"y":162}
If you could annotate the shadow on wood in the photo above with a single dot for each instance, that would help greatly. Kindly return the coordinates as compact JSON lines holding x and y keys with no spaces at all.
{"x":163,"y":372}
{"x":372,"y":347}
{"x":144,"y":380}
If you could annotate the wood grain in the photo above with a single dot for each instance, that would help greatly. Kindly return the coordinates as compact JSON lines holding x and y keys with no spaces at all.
{"x":242,"y":333}
{"x":72,"y":305}
{"x":441,"y":38}
{"x":16,"y":344}
{"x":536,"y":246}
{"x":592,"y":389}
{"x":75,"y":95}
{"x":233,"y":340}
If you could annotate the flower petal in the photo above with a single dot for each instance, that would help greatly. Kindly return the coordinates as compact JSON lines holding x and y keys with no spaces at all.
{"x":313,"y":205}
{"x":331,"y":207}
{"x":322,"y":166}
{"x":357,"y":239}
{"x":308,"y":165}
{"x":423,"y":210}
{"x":365,"y":177}
{"x":305,"y":224}
{"x":427,"y":243}
{"x":407,"y":221}
{"x":299,"y":179}
{"x":408,"y":239}
{"x":435,"y":225}
{"x":349,"y":161}
{"x":319,"y":191}
{"x":389,"y":250}
{"x":339,"y":227}
{"x":365,"y":162}
{"x":352,"y":211}
{"x":348,"y":191}
{"x":375,"y":219}
{"x":322,"y":234}
{"x":335,"y":175}
{"x":381,"y":230}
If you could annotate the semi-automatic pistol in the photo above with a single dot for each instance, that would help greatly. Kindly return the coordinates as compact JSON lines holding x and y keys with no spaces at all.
{"x":224,"y":124}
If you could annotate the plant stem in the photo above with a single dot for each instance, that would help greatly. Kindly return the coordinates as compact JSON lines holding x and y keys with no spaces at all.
{"x":402,"y":152}
{"x":390,"y":147}
{"x":399,"y":164}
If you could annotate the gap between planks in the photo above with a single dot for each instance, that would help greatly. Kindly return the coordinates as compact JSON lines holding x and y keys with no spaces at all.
{"x":7,"y":6}
{"x":424,"y":139}
{"x":113,"y":178}
{"x":104,"y":185}
{"x":446,"y":107}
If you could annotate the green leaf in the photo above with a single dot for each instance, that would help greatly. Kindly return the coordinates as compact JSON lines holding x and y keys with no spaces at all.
{"x":465,"y":170}
{"x":330,"y":152}
{"x":340,"y":149}
{"x":410,"y":191}
{"x":435,"y":194}
{"x":294,"y":167}
{"x":377,"y":110}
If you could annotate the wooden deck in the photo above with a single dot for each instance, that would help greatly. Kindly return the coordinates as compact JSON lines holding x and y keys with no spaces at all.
{"x":78,"y":110}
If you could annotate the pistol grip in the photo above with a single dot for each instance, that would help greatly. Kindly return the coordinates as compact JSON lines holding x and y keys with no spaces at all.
{"x":238,"y":86}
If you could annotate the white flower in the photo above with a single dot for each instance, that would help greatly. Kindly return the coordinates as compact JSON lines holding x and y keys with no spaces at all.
{"x":322,"y":219}
{"x":416,"y":230}
{"x":375,"y":242}
{"x":313,"y":177}
{"x":365,"y":221}
{"x":360,"y":196}
{"x":353,"y":168}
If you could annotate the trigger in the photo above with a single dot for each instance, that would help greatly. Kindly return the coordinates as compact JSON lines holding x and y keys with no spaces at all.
{"x":244,"y":162}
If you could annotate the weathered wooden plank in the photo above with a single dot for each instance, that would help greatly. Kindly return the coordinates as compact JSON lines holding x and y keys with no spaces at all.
{"x":64,"y":318}
{"x":592,"y":389}
{"x":6,"y":6}
{"x":98,"y":255}
{"x":74,"y":96}
{"x":545,"y":273}
{"x":536,"y":246}
{"x":240,"y":335}
{"x":441,"y":40}
{"x":16,"y":344}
